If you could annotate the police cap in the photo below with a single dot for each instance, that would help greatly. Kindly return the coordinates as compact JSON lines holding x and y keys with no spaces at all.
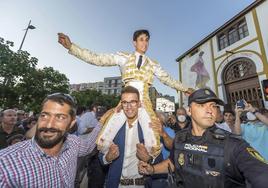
{"x":204,"y":95}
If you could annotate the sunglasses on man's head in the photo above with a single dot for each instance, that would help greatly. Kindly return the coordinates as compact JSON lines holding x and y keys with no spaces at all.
{"x":65,"y":96}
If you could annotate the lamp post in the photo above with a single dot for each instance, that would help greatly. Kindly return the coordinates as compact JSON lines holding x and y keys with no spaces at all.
{"x":28,"y":27}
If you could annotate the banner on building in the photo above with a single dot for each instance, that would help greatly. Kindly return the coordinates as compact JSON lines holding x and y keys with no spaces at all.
{"x":165,"y":105}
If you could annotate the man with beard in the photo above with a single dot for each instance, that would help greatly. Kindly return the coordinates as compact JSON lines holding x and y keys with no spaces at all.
{"x":49,"y":159}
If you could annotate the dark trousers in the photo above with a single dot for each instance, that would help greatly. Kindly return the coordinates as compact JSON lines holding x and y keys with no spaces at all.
{"x":80,"y":170}
{"x":96,"y":172}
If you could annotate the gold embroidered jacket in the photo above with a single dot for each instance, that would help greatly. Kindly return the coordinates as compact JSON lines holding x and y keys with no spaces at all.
{"x":127,"y":65}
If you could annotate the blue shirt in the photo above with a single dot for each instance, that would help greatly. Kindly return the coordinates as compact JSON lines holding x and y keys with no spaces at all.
{"x":87,"y":120}
{"x":165,"y":151}
{"x":256,"y":134}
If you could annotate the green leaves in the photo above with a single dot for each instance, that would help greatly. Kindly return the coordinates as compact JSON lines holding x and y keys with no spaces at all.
{"x":88,"y":97}
{"x":22,"y":85}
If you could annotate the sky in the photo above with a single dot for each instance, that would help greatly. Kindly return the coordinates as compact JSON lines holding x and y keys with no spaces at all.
{"x":107,"y":26}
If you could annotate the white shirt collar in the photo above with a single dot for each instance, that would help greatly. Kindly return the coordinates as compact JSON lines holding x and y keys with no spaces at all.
{"x":135,"y":123}
{"x":137,"y":55}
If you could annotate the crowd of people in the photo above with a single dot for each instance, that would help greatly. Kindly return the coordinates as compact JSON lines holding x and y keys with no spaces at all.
{"x":47,"y":151}
{"x":131,"y":145}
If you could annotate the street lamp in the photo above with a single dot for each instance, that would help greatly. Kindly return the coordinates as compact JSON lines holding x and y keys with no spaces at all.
{"x":28,"y":27}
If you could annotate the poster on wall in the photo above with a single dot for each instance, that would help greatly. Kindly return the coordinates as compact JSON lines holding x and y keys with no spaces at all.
{"x":202,"y":75}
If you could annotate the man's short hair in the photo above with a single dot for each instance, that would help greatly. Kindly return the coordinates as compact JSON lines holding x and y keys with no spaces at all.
{"x":92,"y":106}
{"x":140,"y":32}
{"x":229,"y":111}
{"x":181,"y":108}
{"x":20,"y":112}
{"x":62,"y":98}
{"x":30,"y":120}
{"x":130,"y":89}
{"x":7,"y":110}
{"x":80,"y":110}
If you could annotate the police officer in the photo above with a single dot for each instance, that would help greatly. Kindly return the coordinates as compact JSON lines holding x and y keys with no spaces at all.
{"x":206,"y":156}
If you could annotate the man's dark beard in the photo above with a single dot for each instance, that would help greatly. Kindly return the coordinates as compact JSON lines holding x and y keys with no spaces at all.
{"x":49,"y":143}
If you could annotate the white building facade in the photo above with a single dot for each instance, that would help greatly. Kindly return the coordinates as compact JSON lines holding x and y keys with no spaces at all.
{"x":110,"y":86}
{"x":232,"y":61}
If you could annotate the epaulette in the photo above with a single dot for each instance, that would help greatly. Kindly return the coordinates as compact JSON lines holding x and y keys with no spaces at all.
{"x":239,"y":137}
{"x":126,"y":54}
{"x":221,"y":134}
{"x":218,"y":133}
{"x":153,"y":61}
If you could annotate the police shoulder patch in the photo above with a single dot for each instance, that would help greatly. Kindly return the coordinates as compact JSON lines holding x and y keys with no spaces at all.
{"x":256,"y":154}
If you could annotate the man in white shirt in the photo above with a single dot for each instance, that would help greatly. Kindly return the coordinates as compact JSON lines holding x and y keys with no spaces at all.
{"x":229,"y":120}
{"x":127,"y":148}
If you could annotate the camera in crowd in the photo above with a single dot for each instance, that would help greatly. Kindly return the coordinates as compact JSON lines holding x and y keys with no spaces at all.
{"x":240,"y":104}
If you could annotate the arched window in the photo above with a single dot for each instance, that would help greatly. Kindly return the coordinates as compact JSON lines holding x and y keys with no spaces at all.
{"x":241,"y":68}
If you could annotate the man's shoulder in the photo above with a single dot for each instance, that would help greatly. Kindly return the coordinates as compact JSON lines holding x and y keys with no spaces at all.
{"x":253,"y":124}
{"x":15,"y":150}
{"x":18,"y":130}
{"x":183,"y":134}
{"x":220,"y":133}
{"x":170,"y":131}
{"x":86,"y":115}
{"x":152,"y":61}
{"x":74,"y":140}
{"x":125,"y":54}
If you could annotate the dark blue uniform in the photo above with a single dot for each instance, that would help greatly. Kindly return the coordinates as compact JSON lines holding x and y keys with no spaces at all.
{"x":216,"y":159}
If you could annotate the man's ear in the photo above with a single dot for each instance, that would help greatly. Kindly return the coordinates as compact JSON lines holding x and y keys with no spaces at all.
{"x":139,"y":104}
{"x":134,"y":43}
{"x":188,"y":110}
{"x":72,"y":123}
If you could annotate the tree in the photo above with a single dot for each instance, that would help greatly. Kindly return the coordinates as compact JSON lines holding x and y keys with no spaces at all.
{"x":88,"y":97}
{"x":21,"y":83}
{"x":40,"y":83}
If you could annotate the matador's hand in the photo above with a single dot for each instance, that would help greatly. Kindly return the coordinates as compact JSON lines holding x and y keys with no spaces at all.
{"x":64,"y":40}
{"x":189,"y":91}
{"x":113,"y":153}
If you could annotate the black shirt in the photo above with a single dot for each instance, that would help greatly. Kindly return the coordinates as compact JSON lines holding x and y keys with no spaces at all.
{"x":244,"y":162}
{"x":4,"y":136}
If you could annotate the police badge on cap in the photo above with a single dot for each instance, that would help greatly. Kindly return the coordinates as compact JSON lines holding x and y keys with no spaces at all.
{"x":204,"y":95}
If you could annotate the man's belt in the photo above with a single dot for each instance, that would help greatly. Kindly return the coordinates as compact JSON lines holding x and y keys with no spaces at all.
{"x":137,"y":181}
